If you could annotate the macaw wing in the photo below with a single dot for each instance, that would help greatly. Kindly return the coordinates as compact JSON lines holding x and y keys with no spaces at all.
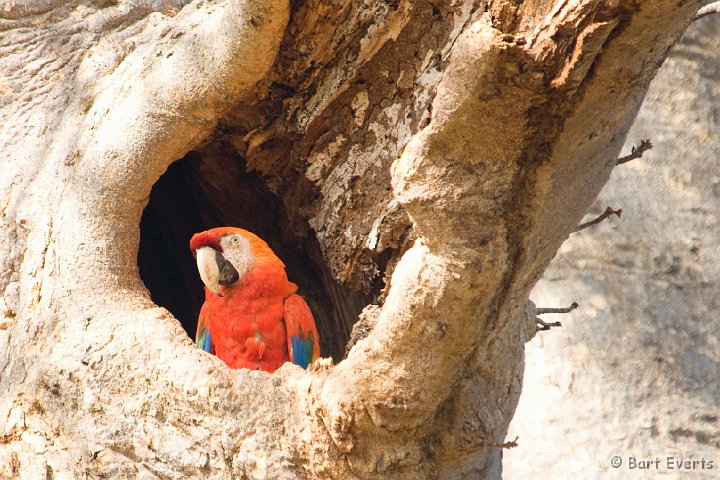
{"x":202,"y":336}
{"x":302,"y":336}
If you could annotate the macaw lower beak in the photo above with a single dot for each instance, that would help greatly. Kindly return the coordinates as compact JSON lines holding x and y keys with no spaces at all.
{"x":215,"y":270}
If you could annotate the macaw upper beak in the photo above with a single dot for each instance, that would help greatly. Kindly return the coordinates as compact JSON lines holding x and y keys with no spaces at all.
{"x":215,"y":270}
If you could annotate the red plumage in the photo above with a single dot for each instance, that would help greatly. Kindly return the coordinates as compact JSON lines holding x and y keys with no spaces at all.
{"x":253,"y":324}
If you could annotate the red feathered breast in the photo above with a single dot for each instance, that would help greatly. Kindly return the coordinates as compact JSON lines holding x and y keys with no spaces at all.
{"x":247,"y":321}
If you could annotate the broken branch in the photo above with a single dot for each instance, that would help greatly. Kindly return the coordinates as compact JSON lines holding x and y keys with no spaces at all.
{"x":543,"y":325}
{"x":607,"y":213}
{"x":636,"y":152}
{"x":541,"y":311}
{"x":510,"y":444}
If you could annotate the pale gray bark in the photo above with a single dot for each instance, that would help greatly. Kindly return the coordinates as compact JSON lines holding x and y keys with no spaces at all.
{"x":634,"y":371}
{"x":445,"y":149}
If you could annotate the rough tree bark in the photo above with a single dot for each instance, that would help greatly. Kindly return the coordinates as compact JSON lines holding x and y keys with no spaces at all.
{"x":648,"y":283}
{"x":429,"y":156}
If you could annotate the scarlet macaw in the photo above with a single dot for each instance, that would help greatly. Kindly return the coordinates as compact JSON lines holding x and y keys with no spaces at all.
{"x":252,"y":317}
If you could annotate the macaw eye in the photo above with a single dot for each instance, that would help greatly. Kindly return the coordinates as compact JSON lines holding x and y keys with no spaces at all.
{"x":235,"y":240}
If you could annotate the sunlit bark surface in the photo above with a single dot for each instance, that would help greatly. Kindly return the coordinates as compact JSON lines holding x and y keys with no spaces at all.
{"x":427,"y":157}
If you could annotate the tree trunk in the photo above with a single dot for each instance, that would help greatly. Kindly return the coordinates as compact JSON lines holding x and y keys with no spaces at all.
{"x":426,"y":157}
{"x":635,"y":368}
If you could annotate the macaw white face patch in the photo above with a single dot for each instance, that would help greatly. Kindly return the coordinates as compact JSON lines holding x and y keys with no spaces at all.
{"x":236,"y":250}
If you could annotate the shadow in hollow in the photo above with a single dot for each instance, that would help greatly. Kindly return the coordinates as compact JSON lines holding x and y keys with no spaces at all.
{"x":211,"y":188}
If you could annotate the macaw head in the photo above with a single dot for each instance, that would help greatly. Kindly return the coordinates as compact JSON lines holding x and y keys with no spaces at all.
{"x":226,"y":254}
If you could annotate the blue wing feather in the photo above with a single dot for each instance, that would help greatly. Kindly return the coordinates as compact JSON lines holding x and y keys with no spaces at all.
{"x":302,"y":335}
{"x":302,"y":350}
{"x":203,"y":338}
{"x":205,"y":342}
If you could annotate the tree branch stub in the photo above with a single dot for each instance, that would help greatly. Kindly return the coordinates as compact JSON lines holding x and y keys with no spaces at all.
{"x":609,"y":212}
{"x":636,"y":152}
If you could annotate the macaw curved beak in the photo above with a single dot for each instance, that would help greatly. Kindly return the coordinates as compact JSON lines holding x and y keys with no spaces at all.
{"x":215,"y":270}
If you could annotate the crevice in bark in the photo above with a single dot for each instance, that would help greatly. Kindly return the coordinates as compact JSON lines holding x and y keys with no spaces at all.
{"x":210,"y":187}
{"x":546,"y":120}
